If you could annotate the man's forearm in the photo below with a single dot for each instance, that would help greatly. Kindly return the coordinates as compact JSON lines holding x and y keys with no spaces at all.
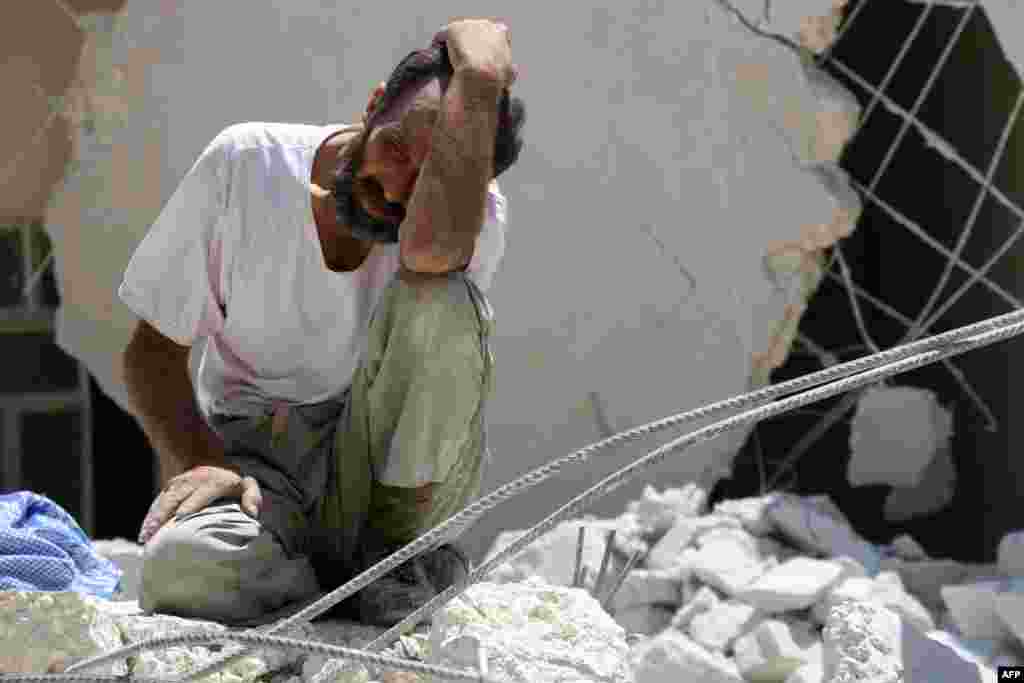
{"x":448,"y":207}
{"x":161,"y":392}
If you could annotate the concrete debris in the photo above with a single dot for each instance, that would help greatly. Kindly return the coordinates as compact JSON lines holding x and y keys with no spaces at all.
{"x":810,"y":527}
{"x":776,"y":649}
{"x":733,"y":598}
{"x":531,"y":632}
{"x":973,"y":608}
{"x":704,"y":600}
{"x":718,"y":627}
{"x":794,"y":585}
{"x":751,"y":512}
{"x":666,"y":553}
{"x":855,"y":588}
{"x":1010,"y":609}
{"x":861,"y":643}
{"x":925,"y":579}
{"x":671,"y":656}
{"x":888,"y":591}
{"x":658,"y":511}
{"x":649,"y":587}
{"x":39,"y":630}
{"x":906,"y":548}
{"x":1010,"y":554}
{"x":728,"y":564}
{"x":894,"y":434}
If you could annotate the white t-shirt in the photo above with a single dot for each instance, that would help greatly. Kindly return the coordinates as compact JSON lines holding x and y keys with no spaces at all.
{"x":234,"y":261}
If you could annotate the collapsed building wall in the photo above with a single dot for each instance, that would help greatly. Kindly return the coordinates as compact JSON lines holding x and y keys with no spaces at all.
{"x":681,"y":282}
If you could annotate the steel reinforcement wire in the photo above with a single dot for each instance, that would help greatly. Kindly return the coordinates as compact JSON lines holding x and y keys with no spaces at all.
{"x":200,"y":637}
{"x":888,"y":362}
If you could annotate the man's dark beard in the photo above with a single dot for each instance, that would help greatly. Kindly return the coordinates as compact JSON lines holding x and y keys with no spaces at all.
{"x":352,"y":214}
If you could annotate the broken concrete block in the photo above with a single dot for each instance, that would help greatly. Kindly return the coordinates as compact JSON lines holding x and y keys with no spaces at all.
{"x":730,"y":531}
{"x":774,"y":649}
{"x":534,"y":632}
{"x":751,"y":512}
{"x":649,"y":587}
{"x":861,"y":643}
{"x":686,"y":531}
{"x":894,"y":434}
{"x":813,"y":530}
{"x":704,"y":600}
{"x":925,"y":579}
{"x":905,"y":547}
{"x":728,"y":561}
{"x":657,"y":512}
{"x":647,"y":620}
{"x":770,"y":547}
{"x":718,"y":627}
{"x":973,"y":609}
{"x":1010,"y":553}
{"x":668,"y":551}
{"x":1010,"y":609}
{"x":851,"y":567}
{"x":552,"y":557}
{"x":888,"y":591}
{"x":853,"y":588}
{"x":793,"y":585}
{"x":671,"y":656}
{"x":176,"y":661}
{"x":38,"y":630}
{"x":812,"y":672}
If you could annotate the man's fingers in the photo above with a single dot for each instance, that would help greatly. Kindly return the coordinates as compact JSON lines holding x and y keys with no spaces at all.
{"x":162,"y":509}
{"x":252,"y":499}
{"x":202,"y":496}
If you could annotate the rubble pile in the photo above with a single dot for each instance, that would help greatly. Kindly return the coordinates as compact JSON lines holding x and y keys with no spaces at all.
{"x":773,"y":589}
{"x":782,"y":589}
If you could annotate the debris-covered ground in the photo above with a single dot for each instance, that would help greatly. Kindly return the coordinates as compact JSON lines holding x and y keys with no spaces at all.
{"x":776,"y":589}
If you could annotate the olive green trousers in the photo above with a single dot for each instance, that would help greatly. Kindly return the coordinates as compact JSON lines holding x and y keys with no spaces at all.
{"x":328,"y":473}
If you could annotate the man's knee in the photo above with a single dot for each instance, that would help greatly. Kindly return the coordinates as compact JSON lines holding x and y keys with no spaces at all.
{"x":209,"y":566}
{"x":438,"y":315}
{"x":445,"y":291}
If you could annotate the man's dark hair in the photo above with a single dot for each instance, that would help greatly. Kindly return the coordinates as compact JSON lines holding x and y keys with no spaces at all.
{"x":423,"y":65}
{"x":419,"y":67}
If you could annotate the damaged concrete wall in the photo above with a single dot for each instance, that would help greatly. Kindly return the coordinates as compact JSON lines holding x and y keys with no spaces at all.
{"x":666,"y":219}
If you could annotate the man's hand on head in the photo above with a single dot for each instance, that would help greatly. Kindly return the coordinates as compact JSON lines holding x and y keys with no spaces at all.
{"x":480,"y":46}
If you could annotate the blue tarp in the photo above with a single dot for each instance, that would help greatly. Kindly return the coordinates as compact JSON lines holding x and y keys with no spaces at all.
{"x":42,"y":548}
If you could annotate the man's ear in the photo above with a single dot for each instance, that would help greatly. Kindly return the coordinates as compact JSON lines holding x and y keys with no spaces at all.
{"x":374,"y":96}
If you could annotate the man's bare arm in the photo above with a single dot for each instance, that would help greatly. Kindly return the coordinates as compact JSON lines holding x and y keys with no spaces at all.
{"x":447,"y":209}
{"x":156,"y":374}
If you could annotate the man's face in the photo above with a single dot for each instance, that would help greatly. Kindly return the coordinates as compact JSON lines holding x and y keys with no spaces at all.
{"x":373,"y":185}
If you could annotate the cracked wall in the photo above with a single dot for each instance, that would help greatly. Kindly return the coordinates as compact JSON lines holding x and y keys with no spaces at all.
{"x":667,"y":218}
